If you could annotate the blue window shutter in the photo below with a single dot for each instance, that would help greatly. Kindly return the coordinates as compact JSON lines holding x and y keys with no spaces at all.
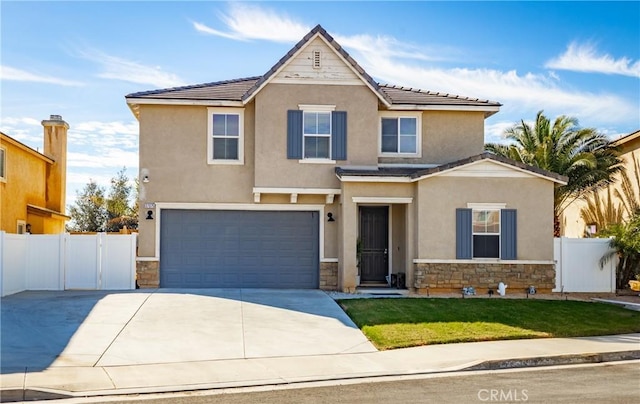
{"x":464,"y":235}
{"x":294,"y":134}
{"x":508,"y":234}
{"x":339,"y":135}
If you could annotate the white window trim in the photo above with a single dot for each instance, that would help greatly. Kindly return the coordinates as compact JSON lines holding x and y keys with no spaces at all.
{"x":316,"y":161}
{"x":3,"y":169}
{"x":311,"y":108}
{"x":228,"y":111}
{"x":401,"y":114}
{"x":487,"y":207}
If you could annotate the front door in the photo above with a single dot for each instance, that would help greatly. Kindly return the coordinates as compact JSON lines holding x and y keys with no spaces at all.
{"x":374,"y":247}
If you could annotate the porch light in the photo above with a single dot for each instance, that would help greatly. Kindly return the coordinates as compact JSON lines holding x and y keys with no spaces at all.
{"x":330,"y":216}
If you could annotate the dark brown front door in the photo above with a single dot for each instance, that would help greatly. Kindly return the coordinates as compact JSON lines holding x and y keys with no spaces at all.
{"x":374,"y":238}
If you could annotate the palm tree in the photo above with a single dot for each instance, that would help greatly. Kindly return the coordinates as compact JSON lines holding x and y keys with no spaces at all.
{"x":586,"y":157}
{"x":600,"y":211}
{"x":625,"y":243}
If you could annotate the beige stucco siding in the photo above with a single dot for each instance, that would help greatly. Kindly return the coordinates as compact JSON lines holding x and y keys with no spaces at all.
{"x":273,"y":169}
{"x":173,"y":153}
{"x":440,"y":196}
{"x":452,"y":135}
{"x":447,"y":136}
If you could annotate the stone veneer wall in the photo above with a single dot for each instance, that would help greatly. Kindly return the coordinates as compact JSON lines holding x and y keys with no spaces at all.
{"x":483,"y":276}
{"x":329,"y":275}
{"x":148,"y":274}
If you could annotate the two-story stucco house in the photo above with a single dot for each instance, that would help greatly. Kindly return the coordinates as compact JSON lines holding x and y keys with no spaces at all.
{"x":315,"y":176}
{"x":33,"y":184}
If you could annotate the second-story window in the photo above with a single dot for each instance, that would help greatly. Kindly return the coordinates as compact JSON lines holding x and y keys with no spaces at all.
{"x":400,"y":135}
{"x":317,"y":135}
{"x":226,"y":140}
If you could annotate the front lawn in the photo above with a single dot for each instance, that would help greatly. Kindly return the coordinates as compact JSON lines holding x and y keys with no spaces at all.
{"x":400,"y":323}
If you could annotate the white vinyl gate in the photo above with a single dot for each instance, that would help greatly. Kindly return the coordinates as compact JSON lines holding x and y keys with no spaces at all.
{"x":578,"y":265}
{"x":66,"y":261}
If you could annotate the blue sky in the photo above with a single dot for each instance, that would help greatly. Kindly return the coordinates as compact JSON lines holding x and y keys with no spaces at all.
{"x":79,"y":59}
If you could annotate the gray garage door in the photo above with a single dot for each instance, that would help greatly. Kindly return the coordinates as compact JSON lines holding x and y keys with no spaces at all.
{"x":232,"y":249}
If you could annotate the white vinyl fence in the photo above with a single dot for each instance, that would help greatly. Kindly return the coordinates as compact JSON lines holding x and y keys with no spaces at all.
{"x":578,"y":265}
{"x":65,"y":261}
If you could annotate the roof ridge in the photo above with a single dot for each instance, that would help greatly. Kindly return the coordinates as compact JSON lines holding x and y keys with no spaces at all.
{"x":192,"y":86}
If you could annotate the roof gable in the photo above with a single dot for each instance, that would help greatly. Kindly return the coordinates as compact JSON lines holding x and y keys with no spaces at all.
{"x":317,"y":37}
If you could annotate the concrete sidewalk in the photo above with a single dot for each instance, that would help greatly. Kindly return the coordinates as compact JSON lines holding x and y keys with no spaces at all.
{"x":84,"y":381}
{"x":78,"y":344}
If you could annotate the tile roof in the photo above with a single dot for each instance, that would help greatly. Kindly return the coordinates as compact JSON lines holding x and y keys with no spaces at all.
{"x":228,"y":90}
{"x":417,"y":173}
{"x":415,"y":96}
{"x":245,"y":88}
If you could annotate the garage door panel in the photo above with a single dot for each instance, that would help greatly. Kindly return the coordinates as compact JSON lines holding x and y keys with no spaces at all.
{"x":239,"y":249}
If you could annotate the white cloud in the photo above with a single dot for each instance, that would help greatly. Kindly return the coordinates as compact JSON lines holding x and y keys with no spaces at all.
{"x":95,"y":150}
{"x":585,"y":58}
{"x":12,"y":74}
{"x":494,"y":132}
{"x":252,"y":22}
{"x":396,"y":62}
{"x":117,"y":68}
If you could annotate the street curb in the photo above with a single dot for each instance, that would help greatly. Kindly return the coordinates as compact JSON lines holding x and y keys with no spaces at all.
{"x":32,"y":394}
{"x":556,"y":360}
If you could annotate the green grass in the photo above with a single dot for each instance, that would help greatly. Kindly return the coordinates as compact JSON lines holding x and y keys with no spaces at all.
{"x":400,"y":323}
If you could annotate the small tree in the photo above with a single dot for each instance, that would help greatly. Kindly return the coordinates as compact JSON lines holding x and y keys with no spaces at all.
{"x":93,"y":212}
{"x":88,"y":214}
{"x":119,"y":213}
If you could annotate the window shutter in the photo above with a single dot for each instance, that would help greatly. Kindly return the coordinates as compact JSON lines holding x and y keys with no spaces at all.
{"x":294,"y":134}
{"x":508,"y":234}
{"x":339,"y":135}
{"x":464,"y":235}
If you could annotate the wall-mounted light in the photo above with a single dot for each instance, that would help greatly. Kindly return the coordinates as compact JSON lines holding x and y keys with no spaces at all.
{"x":145,"y":178}
{"x":28,"y":226}
{"x":149,"y":215}
{"x":330,"y":216}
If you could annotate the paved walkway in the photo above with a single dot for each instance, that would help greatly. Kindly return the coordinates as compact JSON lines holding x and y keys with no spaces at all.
{"x":119,"y":343}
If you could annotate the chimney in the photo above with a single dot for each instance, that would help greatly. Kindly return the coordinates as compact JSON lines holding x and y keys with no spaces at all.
{"x":55,"y":147}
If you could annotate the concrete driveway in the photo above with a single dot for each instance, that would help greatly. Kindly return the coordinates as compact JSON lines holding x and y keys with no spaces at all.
{"x":73,"y":328}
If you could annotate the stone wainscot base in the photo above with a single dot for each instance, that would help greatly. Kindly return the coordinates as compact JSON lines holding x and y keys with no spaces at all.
{"x":148,"y":274}
{"x":452,"y":277}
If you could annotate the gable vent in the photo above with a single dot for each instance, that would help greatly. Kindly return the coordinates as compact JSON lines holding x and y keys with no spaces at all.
{"x":316,"y":59}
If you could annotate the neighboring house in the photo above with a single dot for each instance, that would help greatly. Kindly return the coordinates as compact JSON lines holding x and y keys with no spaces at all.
{"x":573,"y":225}
{"x":33,"y":184}
{"x":315,"y":176}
